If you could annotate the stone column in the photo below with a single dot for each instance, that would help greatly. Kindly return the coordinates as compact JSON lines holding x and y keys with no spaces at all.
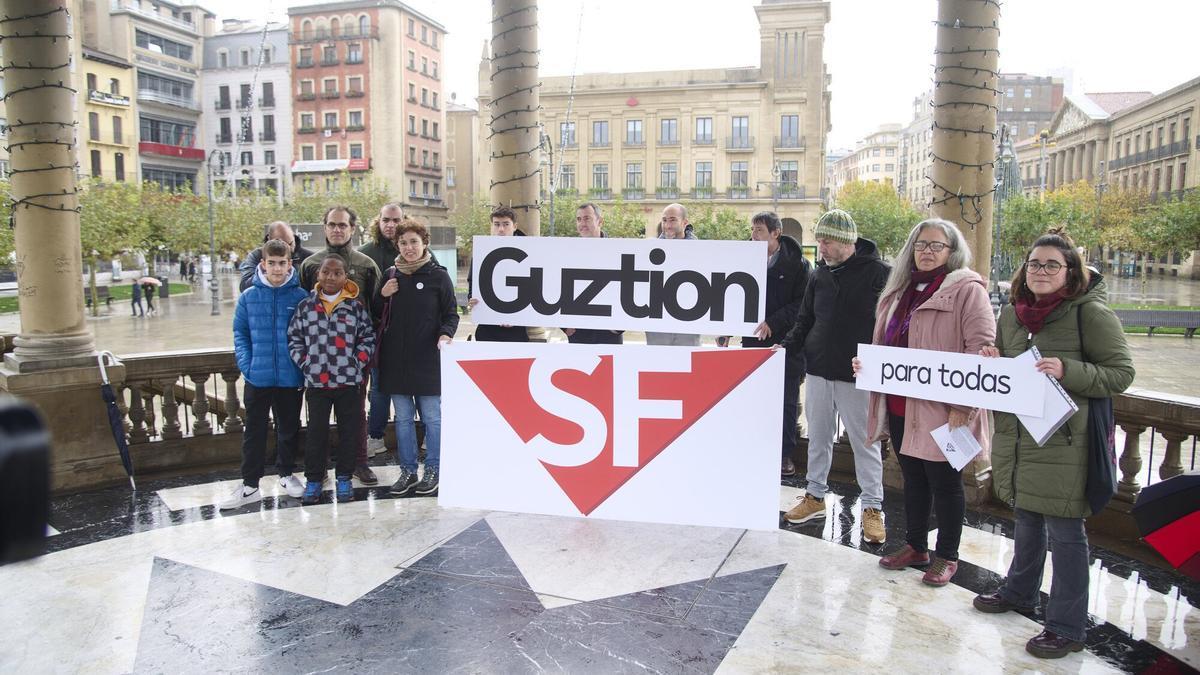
{"x":1089,"y":160}
{"x":965,"y":100}
{"x":41,"y":112}
{"x":1069,"y":171}
{"x":514,"y":140}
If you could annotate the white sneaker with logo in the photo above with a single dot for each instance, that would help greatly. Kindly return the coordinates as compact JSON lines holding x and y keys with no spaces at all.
{"x":293,"y":486}
{"x":242,"y":495}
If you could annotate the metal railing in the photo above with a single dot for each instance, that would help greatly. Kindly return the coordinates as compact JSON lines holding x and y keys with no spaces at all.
{"x":789,"y":143}
{"x":739,"y":143}
{"x":159,"y":97}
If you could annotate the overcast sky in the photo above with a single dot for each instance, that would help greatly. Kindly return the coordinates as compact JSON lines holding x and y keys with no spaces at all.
{"x":879,"y":52}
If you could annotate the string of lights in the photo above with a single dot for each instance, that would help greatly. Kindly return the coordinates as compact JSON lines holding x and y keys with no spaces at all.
{"x":975,"y":69}
{"x":52,"y":167}
{"x":968,"y":50}
{"x":955,"y":104}
{"x":961,"y":165}
{"x":514,"y":111}
{"x":531,"y":174}
{"x":518,"y":127}
{"x":515,"y":52}
{"x":525,"y":26}
{"x":502,"y":17}
{"x":963,"y":131}
{"x":519,"y":153}
{"x":959,"y":24}
{"x":29,"y":66}
{"x":502,"y":69}
{"x":965,"y":85}
{"x":20,"y":145}
{"x":513,"y":93}
{"x":20,"y":123}
{"x":7,"y":19}
{"x":32,"y":87}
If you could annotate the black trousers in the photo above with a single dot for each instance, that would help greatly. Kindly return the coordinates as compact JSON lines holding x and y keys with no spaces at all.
{"x":346,"y":403}
{"x":284,"y":403}
{"x":793,"y":377}
{"x":927,"y":484}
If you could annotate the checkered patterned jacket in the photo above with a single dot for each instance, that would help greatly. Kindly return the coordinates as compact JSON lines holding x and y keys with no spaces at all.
{"x":331,"y":349}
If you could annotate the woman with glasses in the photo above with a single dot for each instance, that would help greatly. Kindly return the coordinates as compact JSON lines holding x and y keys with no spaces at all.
{"x":932,"y":300}
{"x":1059,"y":307}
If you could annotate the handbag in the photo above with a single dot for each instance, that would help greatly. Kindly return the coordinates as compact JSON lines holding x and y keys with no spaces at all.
{"x":380,"y":327}
{"x":1101,"y":444}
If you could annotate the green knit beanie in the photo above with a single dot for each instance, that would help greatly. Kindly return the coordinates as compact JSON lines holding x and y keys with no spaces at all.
{"x":838,"y":226}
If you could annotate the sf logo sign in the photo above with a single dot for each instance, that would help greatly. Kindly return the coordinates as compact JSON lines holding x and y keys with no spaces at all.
{"x":594,"y":420}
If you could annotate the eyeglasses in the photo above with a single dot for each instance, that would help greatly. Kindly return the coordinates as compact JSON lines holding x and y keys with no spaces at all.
{"x":1052,"y":267}
{"x":935,"y":246}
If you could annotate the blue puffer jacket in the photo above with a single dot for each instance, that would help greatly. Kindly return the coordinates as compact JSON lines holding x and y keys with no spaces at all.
{"x":260,"y":327}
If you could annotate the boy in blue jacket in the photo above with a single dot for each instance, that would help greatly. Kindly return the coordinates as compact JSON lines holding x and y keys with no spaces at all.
{"x":331,"y":338}
{"x":272,"y":382}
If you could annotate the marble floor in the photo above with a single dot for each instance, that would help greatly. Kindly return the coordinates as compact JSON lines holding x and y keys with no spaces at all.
{"x":160,"y":581}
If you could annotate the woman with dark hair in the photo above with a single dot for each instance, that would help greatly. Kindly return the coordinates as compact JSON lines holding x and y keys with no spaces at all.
{"x":418,"y":316}
{"x":933,"y":300}
{"x":1059,"y":306}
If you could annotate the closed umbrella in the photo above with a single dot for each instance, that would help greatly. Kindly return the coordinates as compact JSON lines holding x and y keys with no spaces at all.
{"x":1168,"y":516}
{"x":116,"y":421}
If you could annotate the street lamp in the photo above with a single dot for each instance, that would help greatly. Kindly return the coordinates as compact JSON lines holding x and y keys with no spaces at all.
{"x":774,"y":187}
{"x":212,"y":235}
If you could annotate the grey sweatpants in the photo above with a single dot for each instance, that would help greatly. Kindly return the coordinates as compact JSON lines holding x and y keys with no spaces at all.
{"x":824,"y":401}
{"x":673,"y":339}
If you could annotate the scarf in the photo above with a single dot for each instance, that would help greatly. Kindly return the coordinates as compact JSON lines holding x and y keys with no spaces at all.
{"x":410,"y":267}
{"x":1033,"y":315}
{"x":896,"y":333}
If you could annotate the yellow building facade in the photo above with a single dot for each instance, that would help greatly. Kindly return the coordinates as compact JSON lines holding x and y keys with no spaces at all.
{"x":107,"y":122}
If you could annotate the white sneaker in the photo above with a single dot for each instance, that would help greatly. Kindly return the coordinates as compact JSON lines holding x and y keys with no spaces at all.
{"x":293,"y":486}
{"x":242,"y":495}
{"x":375,"y":446}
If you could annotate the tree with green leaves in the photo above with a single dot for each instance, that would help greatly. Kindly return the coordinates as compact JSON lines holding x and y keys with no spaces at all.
{"x":6,"y":233}
{"x":111,"y":222}
{"x":717,"y":223}
{"x":881,"y":215}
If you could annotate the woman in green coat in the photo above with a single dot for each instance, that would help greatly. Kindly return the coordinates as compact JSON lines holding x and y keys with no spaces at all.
{"x":1059,"y":307}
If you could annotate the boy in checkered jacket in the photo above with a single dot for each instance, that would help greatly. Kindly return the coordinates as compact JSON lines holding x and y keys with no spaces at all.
{"x":331,"y":339}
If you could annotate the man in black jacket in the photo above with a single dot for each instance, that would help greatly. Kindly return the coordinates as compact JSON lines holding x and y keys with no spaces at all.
{"x":381,"y":248}
{"x":836,"y":315}
{"x":589,"y":224}
{"x":504,"y":224}
{"x":787,"y":277}
{"x":276,"y":230}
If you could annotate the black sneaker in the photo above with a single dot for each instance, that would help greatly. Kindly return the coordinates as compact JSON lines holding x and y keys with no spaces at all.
{"x":429,"y":482}
{"x":404,"y":484}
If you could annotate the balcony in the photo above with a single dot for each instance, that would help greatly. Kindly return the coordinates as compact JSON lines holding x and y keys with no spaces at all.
{"x":149,"y":96}
{"x":245,"y":137}
{"x":600,"y":193}
{"x":245,"y":104}
{"x":134,"y":7}
{"x":355,"y":93}
{"x":347,"y":33}
{"x":603,"y":143}
{"x":224,"y":139}
{"x":740,"y":192}
{"x":668,"y":142}
{"x":424,"y":200}
{"x":168,"y":150}
{"x":569,"y":145}
{"x":667,"y":193}
{"x":791,"y":192}
{"x":703,"y":140}
{"x":306,"y":130}
{"x":97,"y":96}
{"x":702,"y":193}
{"x":266,"y":102}
{"x":266,"y":136}
{"x":739,"y":144}
{"x":355,"y":127}
{"x":306,"y":96}
{"x":305,"y":63}
{"x":633,"y":193}
{"x":634,"y":143}
{"x":330,"y":94}
{"x":325,"y":63}
{"x":330,"y":130}
{"x":786,"y":143}
{"x":354,"y":61}
{"x":412,"y":99}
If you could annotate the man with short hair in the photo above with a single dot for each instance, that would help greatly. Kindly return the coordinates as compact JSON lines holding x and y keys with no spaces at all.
{"x":504,"y":224}
{"x":340,"y":223}
{"x":382,"y":250}
{"x":589,"y":224}
{"x":836,"y":315}
{"x":276,"y":230}
{"x":674,"y":225}
{"x":787,"y":277}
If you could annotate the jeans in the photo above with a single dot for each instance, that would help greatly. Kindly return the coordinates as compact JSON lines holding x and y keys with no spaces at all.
{"x":406,"y":430}
{"x":284,"y":402}
{"x":824,"y":401}
{"x":380,"y":408}
{"x":926,"y":484}
{"x":346,"y":403}
{"x":1066,"y":613}
{"x":137,"y":307}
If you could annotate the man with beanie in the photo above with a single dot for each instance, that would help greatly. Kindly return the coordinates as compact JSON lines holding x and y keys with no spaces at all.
{"x":836,"y":315}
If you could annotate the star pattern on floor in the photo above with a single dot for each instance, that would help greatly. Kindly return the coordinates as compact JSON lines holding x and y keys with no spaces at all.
{"x":464,"y":606}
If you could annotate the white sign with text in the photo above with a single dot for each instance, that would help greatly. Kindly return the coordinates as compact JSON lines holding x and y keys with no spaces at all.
{"x":1006,"y":385}
{"x":621,"y":432}
{"x":670,"y":286}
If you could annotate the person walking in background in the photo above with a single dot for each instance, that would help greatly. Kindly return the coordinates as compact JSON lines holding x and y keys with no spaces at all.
{"x":1060,"y":308}
{"x":836,"y":315}
{"x":418,"y":316}
{"x":273,"y":383}
{"x":148,"y":290}
{"x":787,"y":277}
{"x":136,"y":299}
{"x":331,"y":339}
{"x":933,"y":300}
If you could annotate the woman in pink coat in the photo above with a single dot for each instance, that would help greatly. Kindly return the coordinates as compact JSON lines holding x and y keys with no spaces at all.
{"x":932,"y":300}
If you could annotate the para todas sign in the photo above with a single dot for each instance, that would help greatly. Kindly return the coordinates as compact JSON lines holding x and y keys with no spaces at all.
{"x":622,"y":432}
{"x":963,"y":379}
{"x":674,"y":286}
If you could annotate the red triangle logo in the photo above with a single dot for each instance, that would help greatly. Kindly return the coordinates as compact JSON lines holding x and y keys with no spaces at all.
{"x":505,"y":382}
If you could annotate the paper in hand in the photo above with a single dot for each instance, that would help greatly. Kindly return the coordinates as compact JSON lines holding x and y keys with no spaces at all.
{"x":1057,"y":408}
{"x":957,"y":444}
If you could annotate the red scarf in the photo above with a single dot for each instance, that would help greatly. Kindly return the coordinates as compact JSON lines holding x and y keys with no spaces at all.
{"x":896,"y":333}
{"x":1033,"y":315}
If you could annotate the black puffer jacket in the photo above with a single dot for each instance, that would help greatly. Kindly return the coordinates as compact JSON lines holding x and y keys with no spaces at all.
{"x":489,"y":333}
{"x":422,"y":310}
{"x":786,"y":281}
{"x":838,"y":312}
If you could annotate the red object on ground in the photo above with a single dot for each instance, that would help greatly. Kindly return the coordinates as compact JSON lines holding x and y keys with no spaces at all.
{"x":1179,"y":541}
